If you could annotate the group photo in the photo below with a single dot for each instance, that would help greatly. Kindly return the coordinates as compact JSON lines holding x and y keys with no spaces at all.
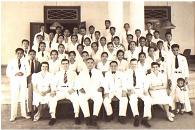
{"x":98,"y":65}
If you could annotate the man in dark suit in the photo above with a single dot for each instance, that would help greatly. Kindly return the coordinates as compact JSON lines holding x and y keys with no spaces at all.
{"x":35,"y":68}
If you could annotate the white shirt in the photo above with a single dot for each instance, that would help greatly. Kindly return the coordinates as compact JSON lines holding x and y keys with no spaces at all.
{"x":122,"y":65}
{"x":143,"y":67}
{"x":88,"y":49}
{"x":72,"y":47}
{"x":156,"y":40}
{"x":54,"y":66}
{"x":130,"y":55}
{"x":149,"y":60}
{"x":124,"y":38}
{"x":41,"y":58}
{"x":96,"y":56}
{"x":62,"y":56}
{"x":41,"y":33}
{"x":165,"y":44}
{"x":145,"y":50}
{"x":111,"y":56}
{"x":103,"y":67}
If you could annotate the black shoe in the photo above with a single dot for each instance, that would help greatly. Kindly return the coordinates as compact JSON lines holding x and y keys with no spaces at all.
{"x":87,"y":120}
{"x":136,"y":121}
{"x":145,"y":122}
{"x":52,"y":121}
{"x":121,"y":119}
{"x":93,"y":121}
{"x":190,"y":113}
{"x":109,"y":118}
{"x":95,"y":118}
{"x":77,"y":120}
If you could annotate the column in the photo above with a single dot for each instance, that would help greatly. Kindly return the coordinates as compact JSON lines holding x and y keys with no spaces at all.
{"x":136,"y":17}
{"x":115,"y":14}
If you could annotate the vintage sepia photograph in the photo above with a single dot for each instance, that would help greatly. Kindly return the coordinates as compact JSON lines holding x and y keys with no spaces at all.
{"x":101,"y":64}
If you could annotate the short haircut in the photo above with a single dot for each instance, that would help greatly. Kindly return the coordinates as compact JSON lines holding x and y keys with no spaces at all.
{"x":156,"y":32}
{"x":39,"y":35}
{"x":126,"y":24}
{"x":83,"y":28}
{"x":97,"y":32}
{"x":168,"y":33}
{"x":142,"y":38}
{"x":180,"y":79}
{"x":91,"y":26}
{"x":25,"y":40}
{"x":116,"y":37}
{"x":120,"y":51}
{"x":148,"y":23}
{"x":72,"y":52}
{"x":58,"y":27}
{"x":94,"y":43}
{"x":46,"y":63}
{"x":52,"y":51}
{"x":133,"y":42}
{"x":74,"y":36}
{"x":155,"y":63}
{"x":113,"y":28}
{"x":150,"y":48}
{"x":64,"y":60}
{"x":90,"y":59}
{"x":133,"y":60}
{"x":142,"y":53}
{"x":136,"y":30}
{"x":115,"y":62}
{"x":103,"y":38}
{"x":42,"y":43}
{"x":31,"y":51}
{"x":107,"y":21}
{"x":61,"y":45}
{"x":110,"y":43}
{"x":159,"y":42}
{"x":80,"y":45}
{"x":19,"y":49}
{"x":88,"y":39}
{"x":60,"y":35}
{"x":175,"y":46}
{"x":148,"y":34}
{"x":104,"y":53}
{"x":128,"y":35}
{"x":85,"y":52}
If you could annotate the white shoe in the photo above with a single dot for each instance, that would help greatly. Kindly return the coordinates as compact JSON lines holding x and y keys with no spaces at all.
{"x":27,"y":117}
{"x":12,"y":119}
{"x":170,"y":118}
{"x":172,"y":115}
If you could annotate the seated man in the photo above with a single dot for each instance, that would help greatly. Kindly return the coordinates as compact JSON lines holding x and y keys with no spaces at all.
{"x":157,"y":85}
{"x":135,"y":84}
{"x":64,"y":89}
{"x":114,"y":87}
{"x":42,"y":83}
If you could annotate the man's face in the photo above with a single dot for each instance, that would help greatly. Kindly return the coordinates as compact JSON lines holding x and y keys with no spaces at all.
{"x":133,"y":65}
{"x":85,"y":56}
{"x":110,"y":47}
{"x":42,"y":28}
{"x":97,"y":35}
{"x":112,"y":31}
{"x":149,"y":38}
{"x":138,"y":33}
{"x":61,"y":49}
{"x":175,"y":51}
{"x":39,"y":38}
{"x":129,"y":39}
{"x":87,"y":42}
{"x":116,"y":41}
{"x":42,"y":47}
{"x":160,"y":46}
{"x":149,"y":26}
{"x":32,"y":55}
{"x":168,"y":37}
{"x":107,"y":24}
{"x":75,"y":30}
{"x":156,"y":35}
{"x":142,"y":57}
{"x":103,"y":42}
{"x":19,"y":54}
{"x":113,"y":67}
{"x":104,"y":57}
{"x":72,"y":56}
{"x":120,"y":56}
{"x":180,"y":83}
{"x":82,"y":31}
{"x":74,"y":39}
{"x":66,"y":33}
{"x":58,"y":30}
{"x":65,"y":65}
{"x":25,"y":44}
{"x":44,"y":67}
{"x":51,"y":36}
{"x":155,"y":68}
{"x":91,"y":30}
{"x":90,"y":64}
{"x":54,"y":56}
{"x":126,"y":27}
{"x":142,"y":42}
{"x":132,"y":45}
{"x":94,"y":47}
{"x":60,"y":39}
{"x":151,"y":52}
{"x":80,"y":49}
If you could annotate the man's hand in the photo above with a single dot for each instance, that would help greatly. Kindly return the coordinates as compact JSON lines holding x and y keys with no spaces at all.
{"x":53,"y":93}
{"x":100,"y":89}
{"x":82,"y":90}
{"x":71,"y":91}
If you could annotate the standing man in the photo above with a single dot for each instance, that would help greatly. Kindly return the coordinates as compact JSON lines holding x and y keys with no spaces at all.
{"x":64,"y":88}
{"x":90,"y":86}
{"x":136,"y":89}
{"x":17,"y":71}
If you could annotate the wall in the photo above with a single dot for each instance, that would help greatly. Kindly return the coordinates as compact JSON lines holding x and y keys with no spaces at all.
{"x":16,"y":18}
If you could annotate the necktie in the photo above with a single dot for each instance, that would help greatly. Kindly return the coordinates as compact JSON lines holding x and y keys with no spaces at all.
{"x":32,"y":67}
{"x":126,"y":33}
{"x":42,"y":54}
{"x":57,"y":38}
{"x":142,"y":49}
{"x":65,"y":78}
{"x":19,"y":64}
{"x":112,"y":38}
{"x":137,"y":41}
{"x":160,"y":54}
{"x":50,"y":44}
{"x":113,"y":72}
{"x":82,"y":39}
{"x":91,"y":36}
{"x":43,"y":36}
{"x":134,"y":79}
{"x":176,"y":62}
{"x":168,"y":45}
{"x":90,"y":74}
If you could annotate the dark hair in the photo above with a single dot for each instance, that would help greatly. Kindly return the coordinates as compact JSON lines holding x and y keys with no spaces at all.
{"x":59,"y":27}
{"x":42,"y":43}
{"x":94,"y":43}
{"x":181,"y":79}
{"x":137,"y":30}
{"x":61,"y":45}
{"x":148,"y":23}
{"x":45,"y":63}
{"x":73,"y":52}
{"x":142,"y":53}
{"x":116,"y":37}
{"x":133,"y":60}
{"x":113,"y":28}
{"x":107,"y":21}
{"x":39,"y":35}
{"x":80,"y":45}
{"x":64,"y":60}
{"x":142,"y":38}
{"x":83,"y":28}
{"x":31,"y":51}
{"x":19,"y":49}
{"x":74,"y":36}
{"x":85,"y":52}
{"x":90,"y":59}
{"x":159,"y":42}
{"x":103,"y":38}
{"x":104,"y":53}
{"x":156,"y":32}
{"x":175,"y":46}
{"x":150,"y":48}
{"x":25,"y":40}
{"x":110,"y":43}
{"x":126,"y":24}
{"x":155,"y":63}
{"x":129,"y":35}
{"x":88,"y":39}
{"x":53,"y":51}
{"x":97,"y":32}
{"x":148,"y":34}
{"x":119,"y":51}
{"x":91,"y":26}
{"x":113,"y":62}
{"x":168,"y":33}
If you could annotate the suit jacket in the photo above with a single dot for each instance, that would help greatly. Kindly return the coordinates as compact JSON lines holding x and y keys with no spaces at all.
{"x":37,"y":69}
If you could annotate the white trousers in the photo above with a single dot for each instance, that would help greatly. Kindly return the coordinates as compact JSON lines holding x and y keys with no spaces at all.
{"x":64,"y":95}
{"x":83,"y":102}
{"x":123,"y":102}
{"x":134,"y":104}
{"x":18,"y":94}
